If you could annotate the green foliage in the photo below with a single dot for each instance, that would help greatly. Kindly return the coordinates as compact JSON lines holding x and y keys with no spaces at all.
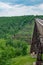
{"x":11,"y":49}
{"x":15,"y":32}
{"x":10,"y":27}
{"x":20,"y":46}
{"x":6,"y":54}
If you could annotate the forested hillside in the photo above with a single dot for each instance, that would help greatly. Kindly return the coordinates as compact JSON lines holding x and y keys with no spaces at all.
{"x":15,"y":37}
{"x":17,"y":27}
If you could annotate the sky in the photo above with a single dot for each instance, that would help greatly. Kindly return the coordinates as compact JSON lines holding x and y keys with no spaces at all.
{"x":21,"y":7}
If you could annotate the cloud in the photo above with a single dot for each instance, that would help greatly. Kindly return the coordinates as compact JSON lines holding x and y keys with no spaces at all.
{"x":4,"y":5}
{"x":18,"y":10}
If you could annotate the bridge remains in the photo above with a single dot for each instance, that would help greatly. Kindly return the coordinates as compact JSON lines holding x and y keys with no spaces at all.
{"x":37,"y":41}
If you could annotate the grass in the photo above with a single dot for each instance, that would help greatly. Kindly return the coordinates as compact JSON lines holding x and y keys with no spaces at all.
{"x":22,"y":60}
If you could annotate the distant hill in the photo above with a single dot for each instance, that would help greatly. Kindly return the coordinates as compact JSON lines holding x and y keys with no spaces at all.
{"x":19,"y":27}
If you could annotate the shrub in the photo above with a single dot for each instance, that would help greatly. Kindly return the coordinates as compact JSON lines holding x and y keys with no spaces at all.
{"x":20,"y":46}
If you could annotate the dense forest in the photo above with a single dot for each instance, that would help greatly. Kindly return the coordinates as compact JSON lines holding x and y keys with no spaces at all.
{"x":15,"y":39}
{"x":16,"y":27}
